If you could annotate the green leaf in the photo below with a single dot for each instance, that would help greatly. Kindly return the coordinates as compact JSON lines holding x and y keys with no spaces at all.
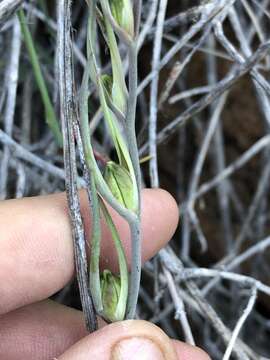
{"x":51,"y":117}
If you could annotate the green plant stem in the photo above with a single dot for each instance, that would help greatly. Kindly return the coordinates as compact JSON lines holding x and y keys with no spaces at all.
{"x":118,"y":140}
{"x":131,"y":113}
{"x":51,"y":118}
{"x":94,"y":273}
{"x":102,"y":186}
{"x":132,"y":218}
{"x":95,"y":175}
{"x":133,"y":150}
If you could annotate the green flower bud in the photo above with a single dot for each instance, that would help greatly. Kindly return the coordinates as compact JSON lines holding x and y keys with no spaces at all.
{"x":110,"y":293}
{"x":122,"y":11}
{"x":114,"y":91}
{"x":120,"y":183}
{"x":107,"y":81}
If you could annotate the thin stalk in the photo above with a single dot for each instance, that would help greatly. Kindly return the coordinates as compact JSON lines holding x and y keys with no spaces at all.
{"x":69,"y":119}
{"x":120,"y":88}
{"x":130,"y":154}
{"x":135,"y":227}
{"x":94,"y":273}
{"x":131,"y":111}
{"x":102,"y":186}
{"x":51,"y":118}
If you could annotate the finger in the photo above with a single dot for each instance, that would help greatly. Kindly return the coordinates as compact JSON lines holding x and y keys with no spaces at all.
{"x":36,"y":246}
{"x":45,"y":330}
{"x":131,"y":339}
{"x":188,"y":352}
{"x":40,"y":331}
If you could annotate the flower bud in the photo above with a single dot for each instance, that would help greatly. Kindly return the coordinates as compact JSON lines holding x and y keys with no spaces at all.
{"x":107,"y":81}
{"x":122,"y":11}
{"x":120,"y":183}
{"x":110,"y":293}
{"x":114,"y":91}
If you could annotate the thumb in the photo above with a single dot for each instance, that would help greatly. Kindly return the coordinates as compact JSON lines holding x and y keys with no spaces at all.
{"x":126,"y":340}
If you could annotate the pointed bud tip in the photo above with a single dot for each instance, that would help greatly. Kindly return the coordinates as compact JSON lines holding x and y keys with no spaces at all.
{"x":110,"y":292}
{"x":122,"y":12}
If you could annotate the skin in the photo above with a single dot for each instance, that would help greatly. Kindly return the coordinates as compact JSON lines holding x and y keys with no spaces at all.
{"x":36,"y":260}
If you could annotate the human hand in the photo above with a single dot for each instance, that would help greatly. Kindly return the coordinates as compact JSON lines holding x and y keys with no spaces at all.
{"x":36,"y":260}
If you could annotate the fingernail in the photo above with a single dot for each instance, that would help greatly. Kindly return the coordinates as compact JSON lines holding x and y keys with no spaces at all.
{"x":136,"y":348}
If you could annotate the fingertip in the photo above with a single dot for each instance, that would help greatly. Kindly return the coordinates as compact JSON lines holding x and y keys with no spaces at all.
{"x":163,"y":199}
{"x":130,"y":339}
{"x":160,"y":217}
